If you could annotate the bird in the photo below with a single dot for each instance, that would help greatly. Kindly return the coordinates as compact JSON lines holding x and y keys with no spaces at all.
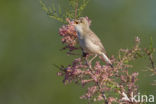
{"x":89,"y":41}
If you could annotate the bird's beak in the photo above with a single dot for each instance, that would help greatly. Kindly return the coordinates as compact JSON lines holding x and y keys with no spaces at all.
{"x":76,"y":22}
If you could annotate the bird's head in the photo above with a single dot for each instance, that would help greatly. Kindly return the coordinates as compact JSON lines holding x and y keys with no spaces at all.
{"x":81,"y":24}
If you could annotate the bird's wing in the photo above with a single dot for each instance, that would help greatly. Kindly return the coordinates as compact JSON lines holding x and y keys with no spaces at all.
{"x":94,"y":38}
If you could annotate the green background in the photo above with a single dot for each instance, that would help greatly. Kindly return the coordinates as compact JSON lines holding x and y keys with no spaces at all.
{"x":30,"y":45}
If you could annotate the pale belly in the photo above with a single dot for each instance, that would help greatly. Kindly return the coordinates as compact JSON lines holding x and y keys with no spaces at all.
{"x":88,"y":46}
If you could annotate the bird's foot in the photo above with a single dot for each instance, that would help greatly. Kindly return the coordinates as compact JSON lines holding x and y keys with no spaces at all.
{"x":90,"y":62}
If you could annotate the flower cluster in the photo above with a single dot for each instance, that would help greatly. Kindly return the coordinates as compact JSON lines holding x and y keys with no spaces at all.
{"x":102,"y":80}
{"x":69,"y":35}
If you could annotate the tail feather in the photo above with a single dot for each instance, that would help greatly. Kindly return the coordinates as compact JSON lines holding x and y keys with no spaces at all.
{"x":106,"y":59}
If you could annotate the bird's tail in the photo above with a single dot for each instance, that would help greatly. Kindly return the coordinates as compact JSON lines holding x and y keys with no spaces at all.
{"x":106,"y":59}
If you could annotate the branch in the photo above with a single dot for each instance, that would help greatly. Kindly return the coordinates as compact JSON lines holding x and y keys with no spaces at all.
{"x":151,"y":61}
{"x":76,"y":7}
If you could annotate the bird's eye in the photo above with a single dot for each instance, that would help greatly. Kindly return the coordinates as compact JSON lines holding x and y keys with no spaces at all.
{"x":76,"y":22}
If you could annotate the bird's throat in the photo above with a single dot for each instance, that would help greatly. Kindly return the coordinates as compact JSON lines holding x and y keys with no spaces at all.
{"x":79,"y":29}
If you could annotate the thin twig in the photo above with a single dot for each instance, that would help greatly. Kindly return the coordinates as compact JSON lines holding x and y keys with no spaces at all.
{"x":151,"y":61}
{"x":76,"y":7}
{"x":103,"y":94}
{"x":97,"y":83}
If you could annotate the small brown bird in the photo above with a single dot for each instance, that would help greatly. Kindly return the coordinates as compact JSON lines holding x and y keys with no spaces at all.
{"x":89,"y":41}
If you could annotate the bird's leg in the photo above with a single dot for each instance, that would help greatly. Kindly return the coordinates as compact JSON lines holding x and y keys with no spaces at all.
{"x":84,"y":56}
{"x":92,"y":58}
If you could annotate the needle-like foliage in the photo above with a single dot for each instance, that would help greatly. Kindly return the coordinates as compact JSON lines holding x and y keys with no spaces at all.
{"x":72,"y":11}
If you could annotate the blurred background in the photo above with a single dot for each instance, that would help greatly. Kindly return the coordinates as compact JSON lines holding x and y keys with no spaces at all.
{"x":30,"y":46}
